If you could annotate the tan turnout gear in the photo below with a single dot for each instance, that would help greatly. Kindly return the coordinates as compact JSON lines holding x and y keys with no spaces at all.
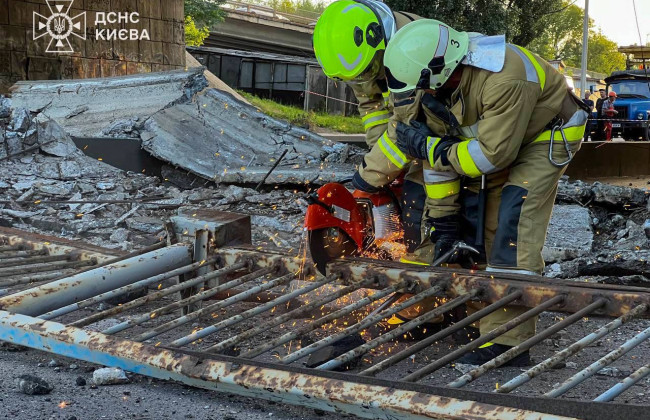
{"x":506,"y":118}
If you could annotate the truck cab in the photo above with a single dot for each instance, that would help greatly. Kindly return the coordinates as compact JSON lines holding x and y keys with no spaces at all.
{"x":632,"y":88}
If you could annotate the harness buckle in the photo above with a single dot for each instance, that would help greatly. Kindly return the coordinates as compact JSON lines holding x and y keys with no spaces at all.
{"x":558,"y":126}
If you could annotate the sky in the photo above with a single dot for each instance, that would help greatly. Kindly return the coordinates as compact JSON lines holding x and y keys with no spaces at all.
{"x":616,"y":19}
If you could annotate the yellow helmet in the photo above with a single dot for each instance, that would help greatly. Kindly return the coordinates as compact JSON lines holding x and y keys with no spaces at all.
{"x":423,"y":54}
{"x":350,"y":38}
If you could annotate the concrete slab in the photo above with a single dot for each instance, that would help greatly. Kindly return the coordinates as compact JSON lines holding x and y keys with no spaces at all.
{"x":569,"y":234}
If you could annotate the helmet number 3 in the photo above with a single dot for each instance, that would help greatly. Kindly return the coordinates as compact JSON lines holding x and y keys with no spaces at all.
{"x":455,"y":43}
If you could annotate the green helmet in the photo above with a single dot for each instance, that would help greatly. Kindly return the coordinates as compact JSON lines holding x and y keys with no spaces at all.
{"x":350,"y":38}
{"x":423,"y":54}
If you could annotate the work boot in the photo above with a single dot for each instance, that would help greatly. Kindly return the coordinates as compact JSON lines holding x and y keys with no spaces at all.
{"x":489,"y":351}
{"x":333,"y":351}
{"x":466,"y":335}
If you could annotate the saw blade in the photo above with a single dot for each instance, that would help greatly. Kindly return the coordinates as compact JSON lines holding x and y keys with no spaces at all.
{"x":329,"y":244}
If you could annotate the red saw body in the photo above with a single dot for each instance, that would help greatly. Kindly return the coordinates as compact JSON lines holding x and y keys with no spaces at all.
{"x":342,"y":223}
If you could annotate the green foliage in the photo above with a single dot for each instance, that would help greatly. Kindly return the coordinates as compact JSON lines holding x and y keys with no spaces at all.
{"x":519,"y":20}
{"x":204,"y":12}
{"x":561,"y":39}
{"x":311,"y":120}
{"x":194,"y":36}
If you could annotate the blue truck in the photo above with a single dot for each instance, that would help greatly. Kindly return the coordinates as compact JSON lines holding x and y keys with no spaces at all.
{"x":632,"y":88}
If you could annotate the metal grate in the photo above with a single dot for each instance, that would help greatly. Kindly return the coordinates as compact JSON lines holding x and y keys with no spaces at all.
{"x":243,"y":320}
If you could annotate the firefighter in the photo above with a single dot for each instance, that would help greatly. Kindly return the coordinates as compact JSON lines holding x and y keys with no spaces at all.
{"x":521,"y":126}
{"x":350,"y":38}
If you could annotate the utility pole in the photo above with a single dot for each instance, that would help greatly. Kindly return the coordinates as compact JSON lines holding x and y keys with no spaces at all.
{"x":585,"y":41}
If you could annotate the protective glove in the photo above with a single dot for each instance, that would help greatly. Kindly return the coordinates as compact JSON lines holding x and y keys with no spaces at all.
{"x":360,"y":184}
{"x":412,"y":139}
{"x":442,"y":147}
{"x":444,"y":232}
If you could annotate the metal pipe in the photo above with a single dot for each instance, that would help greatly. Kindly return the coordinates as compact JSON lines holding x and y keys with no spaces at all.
{"x":124,"y":290}
{"x":571,"y":350}
{"x":421,"y":345}
{"x":156,"y":295}
{"x":526,"y":345}
{"x":42,"y":299}
{"x":176,"y":305}
{"x":37,"y":278}
{"x":23,"y":254}
{"x":292,"y":335}
{"x":331,"y":394}
{"x":200,"y":254}
{"x":402,"y":329}
{"x":624,"y":385}
{"x":361,"y":325}
{"x":250,"y":313}
{"x":214,"y":307}
{"x":41,"y":268}
{"x":591,"y":370}
{"x":292,"y":315}
{"x":432,"y":367}
{"x":18,"y":262}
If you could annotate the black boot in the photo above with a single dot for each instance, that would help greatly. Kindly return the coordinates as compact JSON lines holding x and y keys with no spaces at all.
{"x":489,"y":351}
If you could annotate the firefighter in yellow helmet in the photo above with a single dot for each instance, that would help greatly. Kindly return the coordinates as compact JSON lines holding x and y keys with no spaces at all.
{"x":349,"y":40}
{"x":518,"y":124}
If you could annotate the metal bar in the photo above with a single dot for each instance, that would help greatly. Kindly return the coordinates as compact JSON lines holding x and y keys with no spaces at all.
{"x":402,"y":329}
{"x":361,"y":325}
{"x":41,"y":268}
{"x":124,"y":290}
{"x":624,"y":385}
{"x":22,"y":254}
{"x":526,"y":345}
{"x":7,"y":248}
{"x":419,"y":346}
{"x":37,"y":278}
{"x":42,"y":299}
{"x":17,"y":262}
{"x":432,"y":367}
{"x":292,"y":315}
{"x":331,"y":394}
{"x":249,"y":313}
{"x":292,"y":335}
{"x":214,"y":307}
{"x":156,"y":295}
{"x":536,"y":289}
{"x":591,"y":370}
{"x":200,"y":254}
{"x":176,"y":305}
{"x":571,"y":350}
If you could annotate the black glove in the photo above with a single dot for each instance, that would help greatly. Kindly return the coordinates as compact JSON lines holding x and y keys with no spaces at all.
{"x":361,"y":184}
{"x":444,"y":232}
{"x":412,"y":139}
{"x":443,"y":146}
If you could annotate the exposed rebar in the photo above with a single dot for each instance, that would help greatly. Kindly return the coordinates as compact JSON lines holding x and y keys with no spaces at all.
{"x":402,"y":329}
{"x":214,"y":307}
{"x":176,"y":305}
{"x":526,"y":345}
{"x":292,"y":335}
{"x":571,"y":350}
{"x":592,"y":369}
{"x":363,"y":324}
{"x":432,"y":367}
{"x":421,"y":345}
{"x":624,"y":385}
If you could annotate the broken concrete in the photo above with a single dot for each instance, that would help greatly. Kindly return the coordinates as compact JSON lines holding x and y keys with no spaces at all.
{"x":33,"y":385}
{"x":569,"y":234}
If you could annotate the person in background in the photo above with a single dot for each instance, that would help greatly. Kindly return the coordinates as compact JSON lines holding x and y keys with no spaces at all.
{"x":590,"y":104}
{"x":600,"y":126}
{"x":608,"y":112}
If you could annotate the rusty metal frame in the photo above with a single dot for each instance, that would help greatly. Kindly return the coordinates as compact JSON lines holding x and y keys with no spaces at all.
{"x":223,"y":268}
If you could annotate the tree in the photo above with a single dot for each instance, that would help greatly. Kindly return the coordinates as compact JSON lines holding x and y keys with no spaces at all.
{"x":194,"y":37}
{"x":561,"y":39}
{"x":200,"y":16}
{"x":519,"y":20}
